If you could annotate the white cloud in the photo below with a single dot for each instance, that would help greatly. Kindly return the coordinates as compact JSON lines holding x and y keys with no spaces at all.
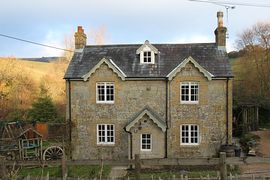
{"x":192,"y":39}
{"x":54,"y":39}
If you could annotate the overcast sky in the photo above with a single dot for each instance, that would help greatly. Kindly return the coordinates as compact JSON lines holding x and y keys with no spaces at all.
{"x":125,"y":21}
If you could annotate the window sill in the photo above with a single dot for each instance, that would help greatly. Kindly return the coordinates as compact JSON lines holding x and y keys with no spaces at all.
{"x":105,"y":144}
{"x":189,"y":102}
{"x":190,"y":145}
{"x":146,"y":150}
{"x":105,"y":102}
{"x":147,"y":63}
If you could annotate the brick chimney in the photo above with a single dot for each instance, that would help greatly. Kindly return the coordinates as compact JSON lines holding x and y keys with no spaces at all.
{"x":220,"y":32}
{"x":80,"y":38}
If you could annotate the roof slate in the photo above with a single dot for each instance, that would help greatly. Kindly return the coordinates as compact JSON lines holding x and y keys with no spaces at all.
{"x":170,"y":55}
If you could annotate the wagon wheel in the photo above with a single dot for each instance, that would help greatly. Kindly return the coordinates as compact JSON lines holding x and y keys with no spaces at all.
{"x":10,"y":155}
{"x":53,"y":153}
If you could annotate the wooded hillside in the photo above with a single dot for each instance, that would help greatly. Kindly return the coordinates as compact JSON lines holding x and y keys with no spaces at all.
{"x":21,"y":83}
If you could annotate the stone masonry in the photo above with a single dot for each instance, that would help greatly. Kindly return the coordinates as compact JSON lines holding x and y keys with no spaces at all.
{"x":133,"y":96}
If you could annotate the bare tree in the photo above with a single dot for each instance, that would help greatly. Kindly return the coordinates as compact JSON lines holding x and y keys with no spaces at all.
{"x":254,"y":69}
{"x":98,"y":35}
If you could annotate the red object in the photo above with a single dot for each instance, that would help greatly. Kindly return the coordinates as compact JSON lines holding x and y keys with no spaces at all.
{"x":80,"y":29}
{"x":42,"y":128}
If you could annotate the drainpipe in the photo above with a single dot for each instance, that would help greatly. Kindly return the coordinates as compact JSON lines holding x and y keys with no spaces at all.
{"x":227,"y":111}
{"x":69,"y":111}
{"x":130,"y":151}
{"x":167,"y":117}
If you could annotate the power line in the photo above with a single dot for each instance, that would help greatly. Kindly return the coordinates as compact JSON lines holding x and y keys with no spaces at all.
{"x":36,"y":43}
{"x":233,"y":3}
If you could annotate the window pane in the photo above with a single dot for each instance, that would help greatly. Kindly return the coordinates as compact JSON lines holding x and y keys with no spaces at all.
{"x":146,"y":141}
{"x":145,"y":53}
{"x":184,"y":91}
{"x":105,"y":133}
{"x":101,"y":92}
{"x":189,"y":91}
{"x":105,"y":92}
{"x":190,"y":134}
{"x":110,"y":92}
{"x":147,"y":57}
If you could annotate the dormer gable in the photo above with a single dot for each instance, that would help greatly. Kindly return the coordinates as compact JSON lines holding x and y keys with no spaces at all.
{"x":178,"y":68}
{"x":110,"y":64}
{"x":147,"y":53}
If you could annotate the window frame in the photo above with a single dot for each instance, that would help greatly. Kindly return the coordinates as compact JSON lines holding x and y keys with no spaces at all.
{"x":189,"y":101}
{"x":189,"y":135}
{"x":105,"y":93}
{"x":141,"y":143}
{"x":152,"y":57}
{"x":106,"y":134}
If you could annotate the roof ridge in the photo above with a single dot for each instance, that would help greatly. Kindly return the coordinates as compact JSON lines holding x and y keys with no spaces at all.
{"x":117,"y":45}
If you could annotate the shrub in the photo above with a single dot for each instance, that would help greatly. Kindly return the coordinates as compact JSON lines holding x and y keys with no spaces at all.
{"x":43,"y":110}
{"x":248,"y":140}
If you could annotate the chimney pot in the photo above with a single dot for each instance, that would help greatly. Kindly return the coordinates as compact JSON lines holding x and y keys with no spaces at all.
{"x":220,"y":18}
{"x":80,"y":29}
{"x":80,"y":38}
{"x":220,"y":32}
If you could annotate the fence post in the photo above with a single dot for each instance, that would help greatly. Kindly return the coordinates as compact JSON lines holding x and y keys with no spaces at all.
{"x":218,"y":175}
{"x":48,"y":176}
{"x":137,"y":166}
{"x":64,"y":166}
{"x":3,"y":168}
{"x":182,"y":177}
{"x":223,"y":166}
{"x":231,"y":176}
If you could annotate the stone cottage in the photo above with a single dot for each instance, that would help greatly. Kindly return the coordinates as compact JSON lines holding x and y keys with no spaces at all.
{"x":156,"y":100}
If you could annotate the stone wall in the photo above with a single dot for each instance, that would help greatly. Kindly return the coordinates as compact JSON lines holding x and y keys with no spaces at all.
{"x":209,"y":114}
{"x":157,"y":139}
{"x":131,"y":96}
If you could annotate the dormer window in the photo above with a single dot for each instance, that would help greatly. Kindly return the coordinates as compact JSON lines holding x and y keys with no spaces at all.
{"x":147,"y":57}
{"x":147,"y":53}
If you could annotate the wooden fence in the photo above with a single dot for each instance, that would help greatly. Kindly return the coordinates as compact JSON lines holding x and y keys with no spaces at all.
{"x":138,"y":163}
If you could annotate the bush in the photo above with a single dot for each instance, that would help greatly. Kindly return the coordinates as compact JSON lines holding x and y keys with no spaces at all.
{"x":73,"y":171}
{"x":53,"y":171}
{"x":87,"y":171}
{"x":43,"y":110}
{"x":15,"y":115}
{"x":248,"y":140}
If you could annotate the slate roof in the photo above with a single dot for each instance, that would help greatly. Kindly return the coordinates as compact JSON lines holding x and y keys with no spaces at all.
{"x":170,"y":55}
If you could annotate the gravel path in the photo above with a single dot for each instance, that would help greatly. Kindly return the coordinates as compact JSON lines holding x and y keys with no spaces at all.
{"x":262,"y":151}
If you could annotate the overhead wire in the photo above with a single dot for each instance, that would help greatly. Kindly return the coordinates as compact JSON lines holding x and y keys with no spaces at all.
{"x":233,"y":3}
{"x":36,"y":43}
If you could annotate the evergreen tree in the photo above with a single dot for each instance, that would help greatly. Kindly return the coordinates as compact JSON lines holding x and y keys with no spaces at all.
{"x":43,"y":109}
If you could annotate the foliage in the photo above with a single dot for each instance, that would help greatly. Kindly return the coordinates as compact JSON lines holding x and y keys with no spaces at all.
{"x":236,"y":54}
{"x":252,"y":72}
{"x":191,"y":173}
{"x":248,"y":140}
{"x":264,"y":118}
{"x":53,"y":171}
{"x":17,"y":90}
{"x":73,"y":171}
{"x":43,"y":109}
{"x":88,"y":171}
{"x":15,"y":115}
{"x":19,"y":82}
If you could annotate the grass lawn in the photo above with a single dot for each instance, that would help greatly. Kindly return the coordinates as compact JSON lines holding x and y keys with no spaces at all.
{"x":177,"y":171}
{"x":191,"y":174}
{"x":73,"y":171}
